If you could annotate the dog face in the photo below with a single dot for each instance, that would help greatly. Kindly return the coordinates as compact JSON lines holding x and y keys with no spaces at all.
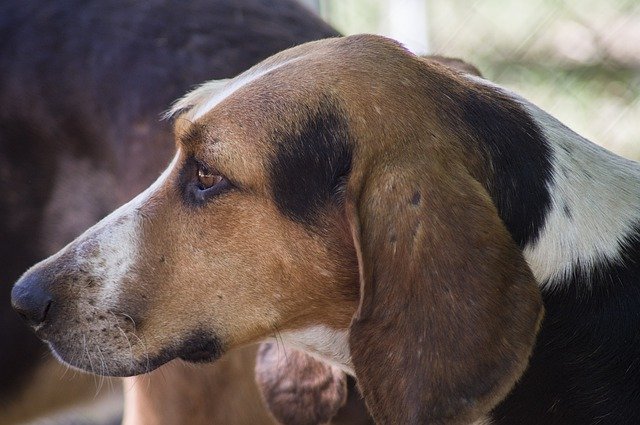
{"x":238,"y":239}
{"x":201,"y":262}
{"x":298,"y":196}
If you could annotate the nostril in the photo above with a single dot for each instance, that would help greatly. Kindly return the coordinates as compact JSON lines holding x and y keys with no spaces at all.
{"x":43,"y":313}
{"x":31,"y":302}
{"x":46,"y":311}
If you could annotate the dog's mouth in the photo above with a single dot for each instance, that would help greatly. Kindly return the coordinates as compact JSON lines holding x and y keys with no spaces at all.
{"x":118,"y":360}
{"x":105,"y":364}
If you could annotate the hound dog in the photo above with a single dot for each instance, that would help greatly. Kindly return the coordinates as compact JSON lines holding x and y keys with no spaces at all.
{"x":400,"y":220}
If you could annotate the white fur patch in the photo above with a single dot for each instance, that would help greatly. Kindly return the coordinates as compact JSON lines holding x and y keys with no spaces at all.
{"x":595,"y":201}
{"x":325,"y":343}
{"x":595,"y":204}
{"x":208,"y":95}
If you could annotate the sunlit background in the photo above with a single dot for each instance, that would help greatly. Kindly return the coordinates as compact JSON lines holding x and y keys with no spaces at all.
{"x":577,"y":59}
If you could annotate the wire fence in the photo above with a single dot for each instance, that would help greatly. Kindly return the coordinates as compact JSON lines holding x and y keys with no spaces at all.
{"x":577,"y":59}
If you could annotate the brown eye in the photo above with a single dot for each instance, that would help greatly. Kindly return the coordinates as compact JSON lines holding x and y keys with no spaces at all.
{"x":207,"y":179}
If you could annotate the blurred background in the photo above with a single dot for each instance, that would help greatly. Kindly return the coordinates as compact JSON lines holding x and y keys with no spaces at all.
{"x":577,"y":59}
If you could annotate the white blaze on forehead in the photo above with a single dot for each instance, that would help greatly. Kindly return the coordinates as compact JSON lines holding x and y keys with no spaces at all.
{"x":109,"y":249}
{"x":201,"y":100}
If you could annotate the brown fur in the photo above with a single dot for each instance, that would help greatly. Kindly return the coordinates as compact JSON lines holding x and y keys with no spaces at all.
{"x":446,"y":310}
{"x":468,"y":330}
{"x":287,"y":372}
{"x":472,"y":388}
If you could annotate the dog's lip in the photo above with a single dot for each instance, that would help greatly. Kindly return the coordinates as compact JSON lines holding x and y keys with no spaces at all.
{"x":201,"y":356}
{"x":197,"y":347}
{"x":200,"y":348}
{"x":123,"y":370}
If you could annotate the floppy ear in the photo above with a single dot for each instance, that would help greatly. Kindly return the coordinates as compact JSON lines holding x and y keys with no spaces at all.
{"x":449,"y":309}
{"x":298,"y":389}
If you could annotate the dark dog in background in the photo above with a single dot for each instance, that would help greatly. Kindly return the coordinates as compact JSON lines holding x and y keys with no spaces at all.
{"x":82,"y":87}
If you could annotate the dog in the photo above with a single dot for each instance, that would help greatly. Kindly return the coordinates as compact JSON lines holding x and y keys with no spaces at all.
{"x":399,"y":220}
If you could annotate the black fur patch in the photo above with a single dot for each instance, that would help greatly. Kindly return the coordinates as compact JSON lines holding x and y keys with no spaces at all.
{"x":200,"y":347}
{"x":311,"y":164}
{"x":520,"y":158}
{"x":585,"y":368}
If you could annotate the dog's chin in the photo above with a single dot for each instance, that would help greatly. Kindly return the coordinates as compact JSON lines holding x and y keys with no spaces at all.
{"x":197,"y":348}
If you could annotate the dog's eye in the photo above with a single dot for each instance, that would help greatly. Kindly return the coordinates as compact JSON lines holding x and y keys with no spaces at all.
{"x":201,"y":183}
{"x":207,"y":179}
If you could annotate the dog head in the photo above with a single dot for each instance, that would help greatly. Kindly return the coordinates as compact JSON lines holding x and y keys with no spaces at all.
{"x":333,"y":194}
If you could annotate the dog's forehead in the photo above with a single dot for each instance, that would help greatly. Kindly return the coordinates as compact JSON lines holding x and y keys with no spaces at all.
{"x":284,"y":86}
{"x":266,"y":127}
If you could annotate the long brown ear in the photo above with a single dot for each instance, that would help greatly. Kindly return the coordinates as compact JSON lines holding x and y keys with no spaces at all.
{"x":298,"y":389}
{"x":449,"y":309}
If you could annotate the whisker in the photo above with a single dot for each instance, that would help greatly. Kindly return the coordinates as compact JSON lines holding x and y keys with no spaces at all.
{"x":102,"y":371}
{"x":126,"y":337}
{"x":86,"y":350}
{"x":66,"y":369}
{"x":164,"y":378}
{"x":146,"y":352}
{"x":284,"y":349}
{"x":132,"y":321}
{"x":284,"y":346}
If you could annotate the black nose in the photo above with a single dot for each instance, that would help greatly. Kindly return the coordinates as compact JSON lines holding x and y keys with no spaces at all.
{"x":30,"y":300}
